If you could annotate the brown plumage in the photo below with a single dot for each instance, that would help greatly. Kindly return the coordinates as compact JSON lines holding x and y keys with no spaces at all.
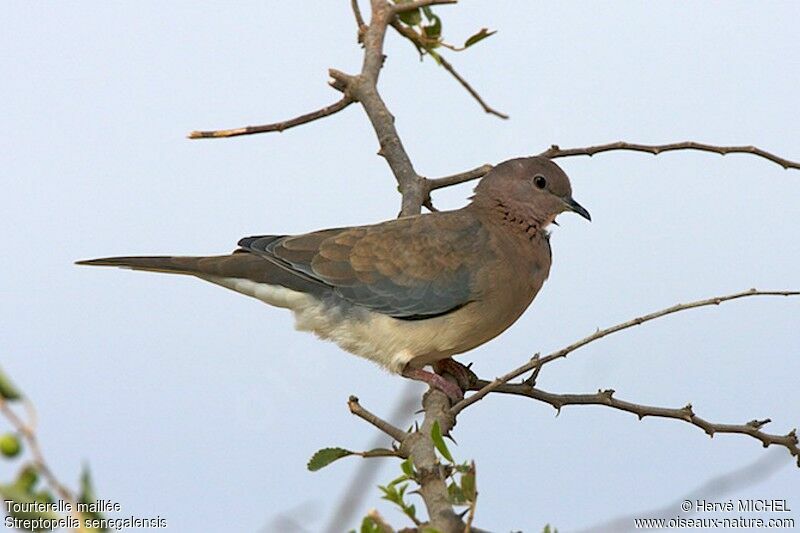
{"x":408,"y":292}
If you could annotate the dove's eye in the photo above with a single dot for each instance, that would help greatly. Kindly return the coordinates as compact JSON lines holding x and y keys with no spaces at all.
{"x":540,"y":182}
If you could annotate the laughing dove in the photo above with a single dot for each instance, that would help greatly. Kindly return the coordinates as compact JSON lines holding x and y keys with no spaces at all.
{"x":409,"y":292}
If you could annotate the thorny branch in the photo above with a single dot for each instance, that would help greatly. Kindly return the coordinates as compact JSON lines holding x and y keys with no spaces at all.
{"x":537,"y":362}
{"x":418,"y":445}
{"x":655,"y":149}
{"x":555,"y":152}
{"x":685,"y":413}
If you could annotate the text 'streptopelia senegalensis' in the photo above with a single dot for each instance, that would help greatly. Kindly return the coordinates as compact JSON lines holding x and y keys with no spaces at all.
{"x":410,"y":292}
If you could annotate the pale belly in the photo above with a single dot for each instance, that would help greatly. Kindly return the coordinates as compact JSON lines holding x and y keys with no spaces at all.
{"x":390,"y":342}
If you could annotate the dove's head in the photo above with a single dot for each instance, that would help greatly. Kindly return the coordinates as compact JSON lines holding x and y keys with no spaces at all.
{"x":528,"y":189}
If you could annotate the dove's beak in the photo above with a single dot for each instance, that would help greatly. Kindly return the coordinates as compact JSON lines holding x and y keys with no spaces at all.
{"x":575,"y":207}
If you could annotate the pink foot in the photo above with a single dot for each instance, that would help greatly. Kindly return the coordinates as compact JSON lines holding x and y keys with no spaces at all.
{"x":464,"y":376}
{"x":436,"y":381}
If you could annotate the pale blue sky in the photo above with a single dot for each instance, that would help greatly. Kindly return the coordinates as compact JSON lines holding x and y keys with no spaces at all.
{"x":203,"y":406}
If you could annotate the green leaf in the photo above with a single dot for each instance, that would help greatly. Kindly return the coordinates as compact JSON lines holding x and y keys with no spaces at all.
{"x":326,"y":456}
{"x":21,"y":491}
{"x":27,"y":479}
{"x":548,"y":529}
{"x":463,"y":468}
{"x":433,"y":31}
{"x":468,"y":486}
{"x":407,"y":467}
{"x":455,"y":494}
{"x":397,"y":480}
{"x":368,"y":525}
{"x":478,"y":37}
{"x":87,"y":494}
{"x":7,"y":389}
{"x":411,"y":18}
{"x":13,"y":493}
{"x":438,"y":441}
{"x":428,"y":12}
{"x":391,"y":494}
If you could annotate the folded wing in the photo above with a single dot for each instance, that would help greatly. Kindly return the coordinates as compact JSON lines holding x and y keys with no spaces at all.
{"x":410,"y":268}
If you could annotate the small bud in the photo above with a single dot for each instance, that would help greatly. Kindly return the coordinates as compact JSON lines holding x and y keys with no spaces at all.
{"x":10,"y":445}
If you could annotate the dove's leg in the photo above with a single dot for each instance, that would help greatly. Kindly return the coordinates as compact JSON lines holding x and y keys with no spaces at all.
{"x":464,"y":376}
{"x":436,"y":381}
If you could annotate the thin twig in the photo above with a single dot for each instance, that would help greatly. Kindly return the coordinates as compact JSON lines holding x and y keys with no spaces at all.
{"x":686,"y":413}
{"x":352,"y":496}
{"x":531,"y":380}
{"x":357,"y":14}
{"x":599,"y":334}
{"x":396,"y":433}
{"x":555,"y":151}
{"x":464,"y":83}
{"x":416,"y":4}
{"x":422,"y":44}
{"x":29,"y":437}
{"x":379,"y":452}
{"x":277,"y":126}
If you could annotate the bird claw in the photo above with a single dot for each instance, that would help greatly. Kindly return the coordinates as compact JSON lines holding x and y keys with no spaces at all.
{"x":463,"y":375}
{"x":435,"y":381}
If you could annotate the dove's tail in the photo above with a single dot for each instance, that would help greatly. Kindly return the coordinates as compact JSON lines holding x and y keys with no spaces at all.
{"x":230,"y":271}
{"x":171,"y":265}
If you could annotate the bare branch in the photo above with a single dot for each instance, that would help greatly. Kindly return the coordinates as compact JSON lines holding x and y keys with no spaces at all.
{"x":555,"y":151}
{"x":686,"y":413}
{"x":416,"y":4}
{"x":397,"y":434}
{"x":455,"y":179}
{"x":600,"y":333}
{"x":277,"y":126}
{"x":363,"y":88}
{"x":446,"y":181}
{"x":422,"y":43}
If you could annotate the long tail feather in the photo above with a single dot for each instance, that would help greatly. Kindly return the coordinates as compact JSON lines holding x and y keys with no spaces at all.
{"x":240,"y":265}
{"x":171,"y":265}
